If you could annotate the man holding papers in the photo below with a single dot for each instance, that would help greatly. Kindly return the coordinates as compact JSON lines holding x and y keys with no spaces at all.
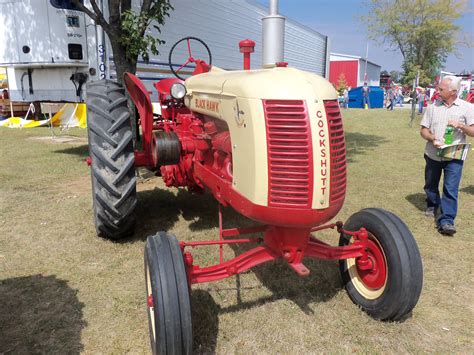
{"x":447,"y":110}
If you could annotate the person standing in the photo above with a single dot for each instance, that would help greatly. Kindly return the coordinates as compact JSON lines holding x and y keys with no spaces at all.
{"x":345,"y":94}
{"x":448,"y":110}
{"x":421,"y":101}
{"x":390,"y":98}
{"x":365,"y":96}
{"x":400,"y":96}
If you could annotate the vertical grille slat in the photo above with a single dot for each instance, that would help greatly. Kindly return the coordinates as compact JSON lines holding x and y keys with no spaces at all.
{"x":290,"y":162}
{"x":337,"y":150}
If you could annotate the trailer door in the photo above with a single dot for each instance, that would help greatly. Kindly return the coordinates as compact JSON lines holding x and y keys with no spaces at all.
{"x":8,"y":42}
{"x":24,"y":36}
{"x":67,"y":32}
{"x":32,"y":31}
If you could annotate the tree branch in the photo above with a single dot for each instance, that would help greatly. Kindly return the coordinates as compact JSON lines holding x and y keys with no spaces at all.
{"x":146,"y":5}
{"x":126,"y":5}
{"x":114,"y":14}
{"x":145,"y":9}
{"x":97,"y":16}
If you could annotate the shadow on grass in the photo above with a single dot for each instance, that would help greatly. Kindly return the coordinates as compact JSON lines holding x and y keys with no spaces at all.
{"x":468,"y":189}
{"x":358,"y":143}
{"x":418,"y":200}
{"x":321,"y":285}
{"x":160,"y":209}
{"x":205,"y":316}
{"x":82,"y":151}
{"x":40,"y":315}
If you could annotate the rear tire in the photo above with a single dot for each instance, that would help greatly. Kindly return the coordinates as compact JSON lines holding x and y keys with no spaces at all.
{"x":391,"y":289}
{"x":168,"y":299}
{"x":113,"y":160}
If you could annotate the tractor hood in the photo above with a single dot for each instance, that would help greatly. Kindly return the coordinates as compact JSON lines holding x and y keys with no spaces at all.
{"x":275,"y":83}
{"x":241,"y":99}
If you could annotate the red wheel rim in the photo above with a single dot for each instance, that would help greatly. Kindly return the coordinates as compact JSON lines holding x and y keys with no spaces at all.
{"x":149,"y":301}
{"x":376,"y":276}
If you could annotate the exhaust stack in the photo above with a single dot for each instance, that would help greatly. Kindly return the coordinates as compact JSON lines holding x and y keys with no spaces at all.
{"x":273,"y":36}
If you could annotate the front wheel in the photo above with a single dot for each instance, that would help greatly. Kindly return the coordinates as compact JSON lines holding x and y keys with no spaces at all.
{"x":168,"y":299}
{"x":390,"y":289}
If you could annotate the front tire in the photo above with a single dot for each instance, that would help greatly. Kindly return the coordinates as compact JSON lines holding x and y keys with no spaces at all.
{"x":113,"y":160}
{"x":391,"y":288}
{"x":168,"y":299}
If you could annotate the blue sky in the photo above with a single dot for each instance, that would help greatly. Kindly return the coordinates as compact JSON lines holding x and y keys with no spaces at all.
{"x":336,"y":19}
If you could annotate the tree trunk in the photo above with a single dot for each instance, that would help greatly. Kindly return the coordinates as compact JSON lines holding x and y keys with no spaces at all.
{"x":122,"y":63}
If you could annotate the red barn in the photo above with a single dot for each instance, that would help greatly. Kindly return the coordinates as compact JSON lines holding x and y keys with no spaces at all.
{"x":353,"y":68}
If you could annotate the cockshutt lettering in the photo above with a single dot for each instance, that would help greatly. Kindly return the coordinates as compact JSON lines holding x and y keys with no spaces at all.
{"x":208,"y":105}
{"x":323,"y":157}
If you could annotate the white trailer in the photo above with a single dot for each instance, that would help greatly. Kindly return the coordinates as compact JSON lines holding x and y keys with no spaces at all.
{"x":50,"y":49}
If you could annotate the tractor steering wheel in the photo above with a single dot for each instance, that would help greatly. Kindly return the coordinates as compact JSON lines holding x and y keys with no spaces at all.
{"x":185,"y":50}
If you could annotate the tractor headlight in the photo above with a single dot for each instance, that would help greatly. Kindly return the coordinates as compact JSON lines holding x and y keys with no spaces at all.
{"x":178,"y":91}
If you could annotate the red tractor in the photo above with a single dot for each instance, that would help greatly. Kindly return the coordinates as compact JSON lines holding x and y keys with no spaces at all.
{"x":270,"y":144}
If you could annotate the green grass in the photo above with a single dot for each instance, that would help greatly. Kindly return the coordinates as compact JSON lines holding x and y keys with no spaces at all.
{"x":63,"y":290}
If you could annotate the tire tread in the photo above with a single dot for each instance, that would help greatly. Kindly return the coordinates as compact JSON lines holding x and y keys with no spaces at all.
{"x":113,"y":160}
{"x":169,"y":282}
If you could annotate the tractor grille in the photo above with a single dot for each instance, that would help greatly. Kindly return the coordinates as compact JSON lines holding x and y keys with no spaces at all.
{"x":337,"y":149}
{"x":290,"y":160}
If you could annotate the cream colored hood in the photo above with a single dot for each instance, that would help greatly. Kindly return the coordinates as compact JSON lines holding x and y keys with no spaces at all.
{"x":275,"y":83}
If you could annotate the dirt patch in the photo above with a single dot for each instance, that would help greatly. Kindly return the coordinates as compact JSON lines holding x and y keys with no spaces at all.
{"x":59,"y":140}
{"x":79,"y":187}
{"x":147,"y":180}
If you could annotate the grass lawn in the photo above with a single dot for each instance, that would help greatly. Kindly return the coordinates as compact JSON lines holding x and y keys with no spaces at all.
{"x":64,"y":290}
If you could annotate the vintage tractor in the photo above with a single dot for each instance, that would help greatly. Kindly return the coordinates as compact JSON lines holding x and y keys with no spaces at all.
{"x":270,"y":144}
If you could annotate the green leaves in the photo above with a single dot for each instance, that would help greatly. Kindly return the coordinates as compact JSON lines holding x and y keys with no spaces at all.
{"x":135,"y":34}
{"x":422,"y":30}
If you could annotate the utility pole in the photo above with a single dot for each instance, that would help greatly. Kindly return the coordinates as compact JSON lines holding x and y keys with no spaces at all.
{"x":413,"y":97}
{"x":366,"y":58}
{"x":366,"y":84}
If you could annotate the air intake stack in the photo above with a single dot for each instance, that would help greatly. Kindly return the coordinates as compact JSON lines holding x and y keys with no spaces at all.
{"x":273,"y":36}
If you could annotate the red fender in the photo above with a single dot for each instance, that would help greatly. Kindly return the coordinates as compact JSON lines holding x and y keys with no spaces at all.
{"x":141,"y":99}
